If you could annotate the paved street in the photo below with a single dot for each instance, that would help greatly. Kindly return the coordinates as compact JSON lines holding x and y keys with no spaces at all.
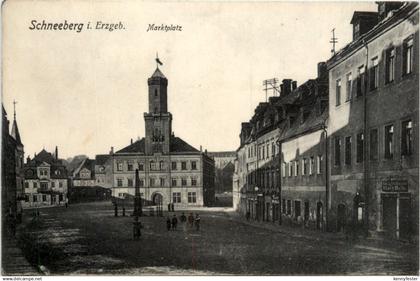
{"x":87,"y":238}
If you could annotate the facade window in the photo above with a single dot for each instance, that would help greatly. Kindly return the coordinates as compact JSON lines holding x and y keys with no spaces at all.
{"x":305,"y":166}
{"x":289,"y":207}
{"x":296,"y":168}
{"x":152,"y":165}
{"x":360,"y":81}
{"x":183,"y":181}
{"x":44,"y":185}
{"x":119,"y":166}
{"x":130,"y":182}
{"x":52,"y":184}
{"x":130,"y":166}
{"x":283,"y":169}
{"x":347,"y":159}
{"x":35,"y":198}
{"x":373,"y":146}
{"x":152,"y":182}
{"x":193,"y":182}
{"x":359,"y":147}
{"x":268,"y":148}
{"x":283,"y":206}
{"x":161,"y":165}
{"x":141,"y":167}
{"x":374,"y":74}
{"x":319,"y":164}
{"x":290,"y":169}
{"x":60,"y":184}
{"x":297,"y":209}
{"x":119,"y":182}
{"x":390,"y":65}
{"x":141,"y":182}
{"x":408,"y":56}
{"x":407,"y":138}
{"x":193,"y":165}
{"x":348,"y":86}
{"x":26,"y":184}
{"x":173,"y":165}
{"x":176,"y":197}
{"x":311,"y":165}
{"x":183,"y":165}
{"x":162,"y":182}
{"x":263,"y":152}
{"x":173,"y":182}
{"x":44,"y":197}
{"x":192,"y":197}
{"x":389,"y":141}
{"x":337,"y":151}
{"x":338,"y":92}
{"x":35,"y":185}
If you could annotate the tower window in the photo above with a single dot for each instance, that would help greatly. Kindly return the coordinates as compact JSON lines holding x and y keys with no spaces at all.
{"x":156,"y":92}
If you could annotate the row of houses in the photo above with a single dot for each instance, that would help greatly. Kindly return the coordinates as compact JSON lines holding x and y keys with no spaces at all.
{"x":341,"y":150}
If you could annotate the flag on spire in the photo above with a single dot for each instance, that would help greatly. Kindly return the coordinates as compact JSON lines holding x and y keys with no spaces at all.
{"x":157,"y":60}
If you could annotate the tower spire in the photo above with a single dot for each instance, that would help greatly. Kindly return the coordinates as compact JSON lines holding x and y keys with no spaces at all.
{"x":14,"y":109}
{"x":158,"y":62}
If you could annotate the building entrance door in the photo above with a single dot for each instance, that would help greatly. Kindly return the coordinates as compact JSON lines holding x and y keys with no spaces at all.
{"x":404,"y":217}
{"x":389,"y":214}
{"x":341,"y":217}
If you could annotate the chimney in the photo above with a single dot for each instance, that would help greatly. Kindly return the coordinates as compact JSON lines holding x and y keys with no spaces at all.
{"x":294,"y":85}
{"x":322,"y":70}
{"x":201,"y":148}
{"x":363,"y":22}
{"x":112,"y":150}
{"x":28,"y":159}
{"x":287,"y":86}
{"x":131,"y":141}
{"x":56,"y":152}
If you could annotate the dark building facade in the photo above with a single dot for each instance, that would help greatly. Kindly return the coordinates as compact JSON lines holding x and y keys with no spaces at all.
{"x":374,"y":101}
{"x":12,"y":164}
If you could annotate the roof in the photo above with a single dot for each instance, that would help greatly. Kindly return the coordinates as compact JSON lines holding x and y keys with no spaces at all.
{"x":135,"y":147}
{"x":222,"y":154}
{"x":158,"y":73}
{"x":15,"y":132}
{"x":101,"y":159}
{"x":47,"y":157}
{"x":86,"y":164}
{"x":367,"y":15}
{"x":179,"y":145}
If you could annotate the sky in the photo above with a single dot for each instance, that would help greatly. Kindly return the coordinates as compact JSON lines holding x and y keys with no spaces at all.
{"x":87,"y":91}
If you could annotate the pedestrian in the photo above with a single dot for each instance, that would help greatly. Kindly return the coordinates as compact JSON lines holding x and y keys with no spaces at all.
{"x":197,"y":222}
{"x":174,"y":222}
{"x":67,"y":204}
{"x":247,"y":215}
{"x":137,"y":226}
{"x":183,"y":218}
{"x":191,"y":220}
{"x":168,"y":224}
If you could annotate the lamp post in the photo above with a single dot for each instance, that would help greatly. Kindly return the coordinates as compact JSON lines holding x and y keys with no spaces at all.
{"x":258,"y":203}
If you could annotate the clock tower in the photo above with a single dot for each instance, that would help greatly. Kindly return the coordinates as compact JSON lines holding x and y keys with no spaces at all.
{"x":158,"y":120}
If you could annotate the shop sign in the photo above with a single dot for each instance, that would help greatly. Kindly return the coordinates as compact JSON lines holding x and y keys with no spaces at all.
{"x":395,"y":185}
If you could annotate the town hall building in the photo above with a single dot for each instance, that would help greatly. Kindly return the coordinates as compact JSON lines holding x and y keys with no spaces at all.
{"x":170,"y":170}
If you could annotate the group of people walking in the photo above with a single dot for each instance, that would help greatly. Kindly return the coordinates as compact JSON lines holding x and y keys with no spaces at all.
{"x":171,"y":224}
